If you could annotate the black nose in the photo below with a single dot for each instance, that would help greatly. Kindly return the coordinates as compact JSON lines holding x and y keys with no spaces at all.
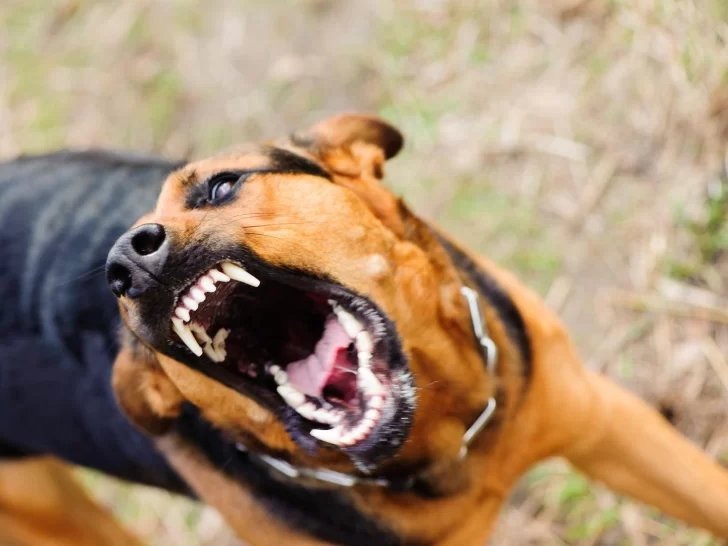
{"x":136,"y":259}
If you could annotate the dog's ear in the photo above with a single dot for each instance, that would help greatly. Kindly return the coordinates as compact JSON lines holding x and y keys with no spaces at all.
{"x":346,"y":129}
{"x":353,"y":148}
{"x":143,"y":391}
{"x":352,"y":144}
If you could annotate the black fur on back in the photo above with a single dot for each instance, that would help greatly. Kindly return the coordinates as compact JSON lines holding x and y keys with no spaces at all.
{"x":59,"y":215}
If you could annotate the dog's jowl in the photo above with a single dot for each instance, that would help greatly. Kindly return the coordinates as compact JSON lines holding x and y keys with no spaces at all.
{"x":313,"y":359}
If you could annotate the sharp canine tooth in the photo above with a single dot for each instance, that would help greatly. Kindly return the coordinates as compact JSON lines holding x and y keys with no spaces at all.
{"x":218,"y":276}
{"x":239,"y":274}
{"x":347,"y":320}
{"x":364,"y":342}
{"x":190,"y":303}
{"x":291,"y":396}
{"x":207,"y":284}
{"x":185,"y":334}
{"x":197,"y":294}
{"x":332,"y":436}
{"x":182,"y":313}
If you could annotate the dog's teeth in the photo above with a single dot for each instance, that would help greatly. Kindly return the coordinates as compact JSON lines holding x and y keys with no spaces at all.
{"x":207,"y":284}
{"x":347,"y":320}
{"x":291,"y":396}
{"x":185,"y":334}
{"x":325,"y":416}
{"x":218,"y":344}
{"x":347,"y":439}
{"x":365,"y":359}
{"x":212,"y":354}
{"x":200,"y":333}
{"x":306,"y":410}
{"x":220,"y":337}
{"x":376,"y":402}
{"x":239,"y":274}
{"x":372,"y":415}
{"x":368,"y":382}
{"x":197,"y":294}
{"x":358,"y":433}
{"x":182,"y":313}
{"x":332,"y":436}
{"x":190,"y":303}
{"x":273,"y":368}
{"x":281,"y":377}
{"x":218,"y":276}
{"x":364,"y":343}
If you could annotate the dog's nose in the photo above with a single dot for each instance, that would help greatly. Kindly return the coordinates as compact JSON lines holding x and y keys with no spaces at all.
{"x":136,"y":259}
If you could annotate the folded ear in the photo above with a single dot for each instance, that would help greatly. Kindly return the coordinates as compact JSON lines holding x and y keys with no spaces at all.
{"x":144,"y":392}
{"x":352,"y":144}
{"x":353,"y":148}
{"x":345,"y":129}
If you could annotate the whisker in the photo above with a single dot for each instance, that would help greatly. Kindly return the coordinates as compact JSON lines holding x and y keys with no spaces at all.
{"x":281,"y":224}
{"x":83,"y":276}
{"x":263,"y":235}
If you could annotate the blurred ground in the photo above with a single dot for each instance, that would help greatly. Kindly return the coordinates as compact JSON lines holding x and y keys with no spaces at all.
{"x":580,"y":143}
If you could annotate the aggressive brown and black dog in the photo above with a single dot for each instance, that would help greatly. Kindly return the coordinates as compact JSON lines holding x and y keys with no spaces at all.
{"x":324,"y":367}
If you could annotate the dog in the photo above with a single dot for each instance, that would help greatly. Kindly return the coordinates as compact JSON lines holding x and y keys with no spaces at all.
{"x":324,"y":367}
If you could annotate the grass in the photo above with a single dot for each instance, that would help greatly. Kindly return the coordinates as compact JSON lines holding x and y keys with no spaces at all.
{"x":579,"y":143}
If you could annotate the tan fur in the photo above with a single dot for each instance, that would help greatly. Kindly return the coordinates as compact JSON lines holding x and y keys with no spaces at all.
{"x":357,"y":232}
{"x":41,"y":504}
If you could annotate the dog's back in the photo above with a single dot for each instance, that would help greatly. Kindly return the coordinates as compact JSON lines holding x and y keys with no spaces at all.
{"x":59,"y":215}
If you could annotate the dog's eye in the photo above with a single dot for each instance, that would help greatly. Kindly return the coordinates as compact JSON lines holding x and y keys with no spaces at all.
{"x":221,"y":186}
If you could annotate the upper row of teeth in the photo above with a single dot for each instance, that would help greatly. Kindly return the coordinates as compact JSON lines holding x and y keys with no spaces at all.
{"x":190,"y":301}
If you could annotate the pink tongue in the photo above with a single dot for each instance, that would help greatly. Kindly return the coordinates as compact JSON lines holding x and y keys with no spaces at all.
{"x":309,"y":375}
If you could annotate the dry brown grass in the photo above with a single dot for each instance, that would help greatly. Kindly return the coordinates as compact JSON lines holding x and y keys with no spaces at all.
{"x":580,"y":143}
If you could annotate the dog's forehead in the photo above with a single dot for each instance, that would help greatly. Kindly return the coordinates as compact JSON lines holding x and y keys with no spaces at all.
{"x":239,"y":158}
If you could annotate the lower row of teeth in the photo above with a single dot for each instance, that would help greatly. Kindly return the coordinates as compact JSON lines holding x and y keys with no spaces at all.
{"x":340,"y":434}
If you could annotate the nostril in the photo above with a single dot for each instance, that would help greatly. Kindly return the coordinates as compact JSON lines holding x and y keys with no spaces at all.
{"x":119,"y":278}
{"x":148,"y":239}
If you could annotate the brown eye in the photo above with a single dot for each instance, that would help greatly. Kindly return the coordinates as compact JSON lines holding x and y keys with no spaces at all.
{"x":222,"y":186}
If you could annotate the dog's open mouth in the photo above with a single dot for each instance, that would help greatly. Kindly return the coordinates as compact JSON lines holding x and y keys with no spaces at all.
{"x":311,"y":346}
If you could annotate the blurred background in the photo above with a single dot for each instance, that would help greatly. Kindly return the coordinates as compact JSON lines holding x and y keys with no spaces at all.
{"x":580,"y":143}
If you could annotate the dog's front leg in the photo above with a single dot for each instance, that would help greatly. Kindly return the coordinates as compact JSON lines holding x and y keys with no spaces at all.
{"x":634,"y":450}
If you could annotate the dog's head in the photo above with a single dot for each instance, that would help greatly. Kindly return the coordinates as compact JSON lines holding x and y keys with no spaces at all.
{"x":281,"y":289}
